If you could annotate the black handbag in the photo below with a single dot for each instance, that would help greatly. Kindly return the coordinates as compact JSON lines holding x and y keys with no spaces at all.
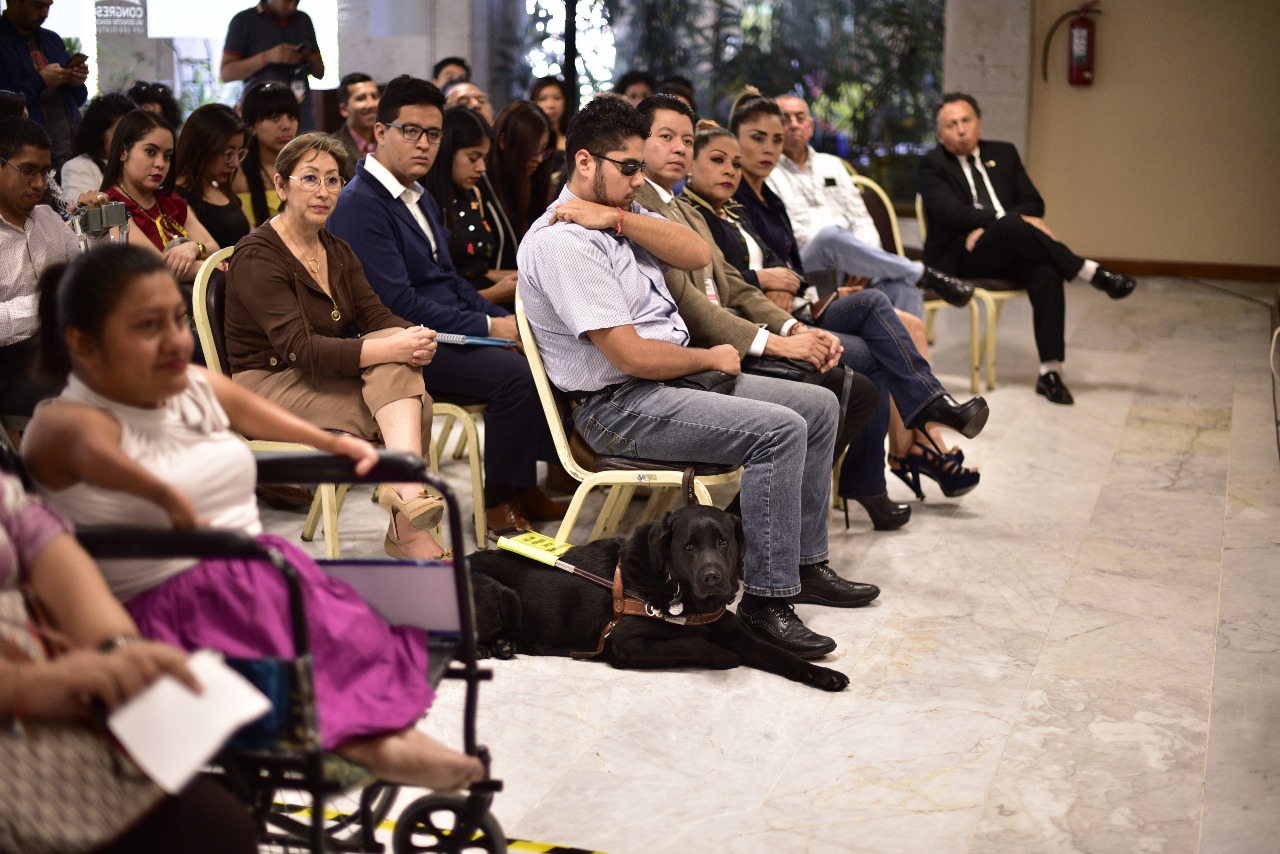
{"x":714,"y":381}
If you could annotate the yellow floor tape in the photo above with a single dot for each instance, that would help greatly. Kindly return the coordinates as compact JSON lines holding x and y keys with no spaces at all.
{"x":512,"y":844}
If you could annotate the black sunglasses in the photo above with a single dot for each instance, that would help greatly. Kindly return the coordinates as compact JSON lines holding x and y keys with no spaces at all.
{"x":626,"y":167}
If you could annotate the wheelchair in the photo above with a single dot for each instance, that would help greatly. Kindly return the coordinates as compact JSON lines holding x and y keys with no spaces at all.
{"x":276,"y":765}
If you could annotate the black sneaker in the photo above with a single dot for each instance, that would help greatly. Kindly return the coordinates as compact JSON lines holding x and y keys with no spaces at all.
{"x":819,"y":585}
{"x":777,"y":623}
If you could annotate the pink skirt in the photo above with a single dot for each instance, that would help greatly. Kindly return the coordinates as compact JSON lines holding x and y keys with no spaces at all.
{"x":370,"y":678}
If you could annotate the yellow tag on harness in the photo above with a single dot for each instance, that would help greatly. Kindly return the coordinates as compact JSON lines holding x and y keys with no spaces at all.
{"x":535,"y":546}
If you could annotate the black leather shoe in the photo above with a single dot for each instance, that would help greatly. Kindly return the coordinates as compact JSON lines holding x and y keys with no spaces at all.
{"x":777,"y":623}
{"x":819,"y":585}
{"x":958,"y":292}
{"x":966,"y":418}
{"x":1113,"y":284}
{"x":886,"y":514}
{"x":1051,"y":386}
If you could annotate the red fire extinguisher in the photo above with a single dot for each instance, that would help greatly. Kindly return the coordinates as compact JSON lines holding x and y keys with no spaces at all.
{"x":1083,"y":33}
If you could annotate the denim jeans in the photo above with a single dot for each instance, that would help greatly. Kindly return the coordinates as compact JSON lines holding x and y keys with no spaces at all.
{"x":835,"y":248}
{"x":782,"y":434}
{"x":878,"y":345}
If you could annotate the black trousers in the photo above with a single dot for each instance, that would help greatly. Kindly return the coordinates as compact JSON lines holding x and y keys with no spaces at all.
{"x":1013,"y":248}
{"x":515,"y":430}
{"x":20,"y":390}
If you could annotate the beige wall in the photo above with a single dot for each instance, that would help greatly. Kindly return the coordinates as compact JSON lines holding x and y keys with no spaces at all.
{"x":1174,"y":153}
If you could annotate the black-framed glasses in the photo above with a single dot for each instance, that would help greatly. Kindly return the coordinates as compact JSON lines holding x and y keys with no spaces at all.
{"x":235,"y":155}
{"x":413,"y":133}
{"x":626,"y":167}
{"x":311,"y":183}
{"x":29,"y":172}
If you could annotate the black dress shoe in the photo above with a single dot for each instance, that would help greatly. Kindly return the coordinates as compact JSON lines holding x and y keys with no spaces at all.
{"x":1051,"y":386}
{"x":1113,"y":284}
{"x":966,"y":418}
{"x":958,"y":292}
{"x":819,"y":585}
{"x":777,"y":623}
{"x":886,"y":514}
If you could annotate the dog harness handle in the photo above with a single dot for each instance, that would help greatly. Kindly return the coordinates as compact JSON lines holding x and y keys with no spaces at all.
{"x":626,"y":605}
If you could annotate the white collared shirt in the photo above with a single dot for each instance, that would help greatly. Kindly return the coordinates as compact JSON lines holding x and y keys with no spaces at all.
{"x":409,"y":195}
{"x":986,"y":180}
{"x":25,"y":253}
{"x":819,"y":194}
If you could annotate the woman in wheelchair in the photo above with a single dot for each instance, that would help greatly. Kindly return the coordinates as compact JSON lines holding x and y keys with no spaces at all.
{"x":109,"y":664}
{"x":139,"y":436}
{"x":295,"y":289}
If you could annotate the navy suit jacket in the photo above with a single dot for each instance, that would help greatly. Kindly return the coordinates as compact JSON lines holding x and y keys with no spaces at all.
{"x":397,"y":259}
{"x":948,"y":201}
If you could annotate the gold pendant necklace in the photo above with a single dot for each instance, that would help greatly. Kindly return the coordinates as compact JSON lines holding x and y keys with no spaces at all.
{"x":313,"y":264}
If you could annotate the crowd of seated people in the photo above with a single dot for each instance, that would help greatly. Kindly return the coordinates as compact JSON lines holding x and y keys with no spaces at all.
{"x":354,"y":248}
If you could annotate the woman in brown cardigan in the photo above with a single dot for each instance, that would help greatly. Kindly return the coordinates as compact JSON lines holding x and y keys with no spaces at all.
{"x":296,"y":298}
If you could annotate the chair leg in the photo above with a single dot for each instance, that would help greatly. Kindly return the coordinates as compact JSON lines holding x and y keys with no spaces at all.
{"x":704,"y":497}
{"x":991,"y":346}
{"x":472,"y":439}
{"x":975,"y":348}
{"x":442,"y":438}
{"x":930,"y":317}
{"x":611,"y":513}
{"x":660,"y":501}
{"x":313,"y":517}
{"x":571,"y":517}
{"x":461,"y":447}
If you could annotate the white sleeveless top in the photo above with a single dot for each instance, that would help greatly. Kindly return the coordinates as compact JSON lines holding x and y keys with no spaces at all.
{"x":186,"y":442}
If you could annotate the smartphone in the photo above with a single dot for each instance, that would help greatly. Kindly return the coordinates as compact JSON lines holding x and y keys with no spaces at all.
{"x":77,"y":59}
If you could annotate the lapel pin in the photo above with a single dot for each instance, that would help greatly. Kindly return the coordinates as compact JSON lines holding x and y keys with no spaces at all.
{"x":990,"y":164}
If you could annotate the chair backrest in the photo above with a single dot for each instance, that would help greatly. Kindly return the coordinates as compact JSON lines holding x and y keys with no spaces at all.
{"x":882,"y":213}
{"x":208,"y":303}
{"x":920,"y":217}
{"x":548,"y":395}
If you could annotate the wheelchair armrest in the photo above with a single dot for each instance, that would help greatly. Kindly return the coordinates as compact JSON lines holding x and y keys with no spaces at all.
{"x":151,"y":543}
{"x":316,"y":467}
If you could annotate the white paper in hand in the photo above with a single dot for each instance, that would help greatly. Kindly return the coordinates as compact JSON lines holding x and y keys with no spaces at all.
{"x":172,"y":732}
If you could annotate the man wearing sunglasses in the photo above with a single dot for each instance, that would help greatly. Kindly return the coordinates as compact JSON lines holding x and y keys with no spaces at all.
{"x":32,"y":238}
{"x":397,"y":232}
{"x":592,"y":280}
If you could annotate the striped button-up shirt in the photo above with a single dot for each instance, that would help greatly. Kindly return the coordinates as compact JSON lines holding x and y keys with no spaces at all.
{"x":25,"y":253}
{"x":574,"y":280}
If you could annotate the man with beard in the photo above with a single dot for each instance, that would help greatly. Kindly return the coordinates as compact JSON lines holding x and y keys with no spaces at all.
{"x":592,"y":280}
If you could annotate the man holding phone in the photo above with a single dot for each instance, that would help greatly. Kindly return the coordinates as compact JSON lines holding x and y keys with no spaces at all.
{"x":273,"y":41}
{"x":34,"y":61}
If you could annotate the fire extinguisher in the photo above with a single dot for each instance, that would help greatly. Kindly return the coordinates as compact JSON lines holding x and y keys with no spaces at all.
{"x":1083,"y":33}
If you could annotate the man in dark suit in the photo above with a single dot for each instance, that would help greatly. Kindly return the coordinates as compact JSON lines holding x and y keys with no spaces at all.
{"x":986,"y":219}
{"x":396,"y":231}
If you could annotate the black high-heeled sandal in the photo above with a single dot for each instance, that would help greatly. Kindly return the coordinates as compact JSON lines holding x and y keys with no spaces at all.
{"x":886,"y":514}
{"x":947,"y":470}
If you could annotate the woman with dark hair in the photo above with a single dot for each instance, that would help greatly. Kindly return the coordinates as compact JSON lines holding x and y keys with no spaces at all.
{"x":756,"y":122}
{"x":478,"y":229}
{"x":143,"y":437}
{"x":157,"y":98}
{"x":210,"y":149}
{"x":552,"y":97}
{"x":139,"y":174}
{"x":521,"y":144}
{"x":270,"y":110}
{"x":83,"y":172}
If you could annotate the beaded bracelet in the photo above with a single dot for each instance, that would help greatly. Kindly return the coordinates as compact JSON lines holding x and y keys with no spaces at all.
{"x":618,"y":228}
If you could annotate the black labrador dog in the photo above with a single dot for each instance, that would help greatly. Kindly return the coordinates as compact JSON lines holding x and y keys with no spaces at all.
{"x":687,"y":563}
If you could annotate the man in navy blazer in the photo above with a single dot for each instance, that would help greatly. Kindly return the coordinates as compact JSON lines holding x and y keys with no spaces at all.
{"x":395,"y":228}
{"x":986,"y":219}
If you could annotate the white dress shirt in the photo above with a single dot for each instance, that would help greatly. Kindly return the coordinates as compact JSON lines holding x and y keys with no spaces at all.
{"x":25,"y":253}
{"x":409,"y":195}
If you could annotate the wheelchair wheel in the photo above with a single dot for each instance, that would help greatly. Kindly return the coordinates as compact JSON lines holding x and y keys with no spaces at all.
{"x":431,"y":822}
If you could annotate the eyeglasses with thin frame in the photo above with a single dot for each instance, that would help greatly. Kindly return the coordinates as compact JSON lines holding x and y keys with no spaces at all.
{"x":413,"y":133}
{"x":626,"y":167}
{"x":232,"y":156}
{"x":311,"y":183}
{"x":29,"y":172}
{"x":539,"y":156}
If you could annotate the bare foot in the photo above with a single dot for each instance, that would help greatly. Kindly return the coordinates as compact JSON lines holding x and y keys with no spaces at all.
{"x":413,"y":758}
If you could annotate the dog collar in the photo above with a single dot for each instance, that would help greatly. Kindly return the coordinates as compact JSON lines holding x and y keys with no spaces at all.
{"x":627,"y":605}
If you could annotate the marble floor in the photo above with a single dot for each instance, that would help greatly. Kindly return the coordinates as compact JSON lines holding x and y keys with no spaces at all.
{"x":1080,"y":655}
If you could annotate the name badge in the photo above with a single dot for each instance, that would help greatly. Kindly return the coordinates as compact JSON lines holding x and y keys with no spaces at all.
{"x":829,"y":182}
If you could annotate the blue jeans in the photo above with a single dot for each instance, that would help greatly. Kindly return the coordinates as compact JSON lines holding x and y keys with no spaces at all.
{"x":835,"y":248}
{"x":878,"y":345}
{"x":782,"y":434}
